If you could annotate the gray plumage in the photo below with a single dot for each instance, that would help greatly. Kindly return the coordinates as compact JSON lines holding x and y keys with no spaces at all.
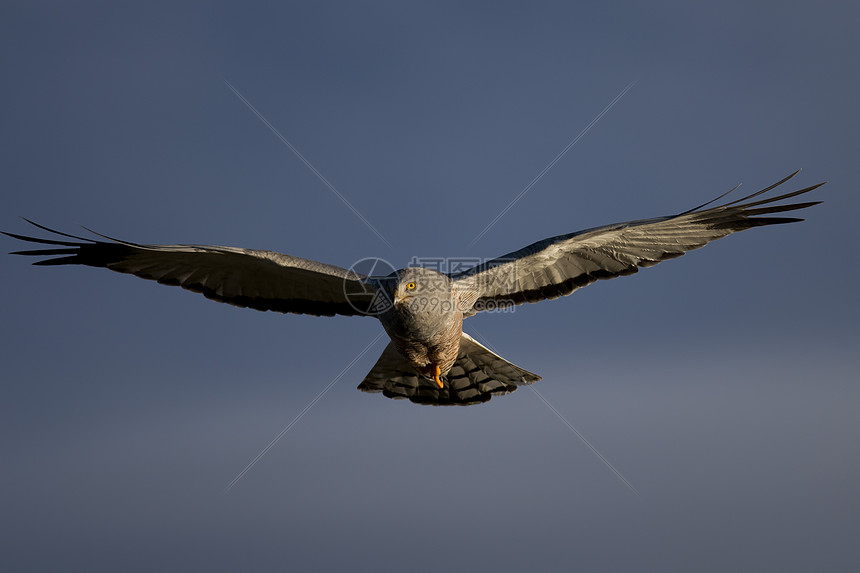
{"x":477,"y":375}
{"x":429,"y":360}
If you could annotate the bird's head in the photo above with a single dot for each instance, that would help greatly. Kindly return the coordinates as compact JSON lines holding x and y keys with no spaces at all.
{"x":423,"y":303}
{"x":420,"y":286}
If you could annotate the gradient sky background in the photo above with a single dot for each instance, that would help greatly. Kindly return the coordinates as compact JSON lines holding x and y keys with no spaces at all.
{"x":723,"y":385}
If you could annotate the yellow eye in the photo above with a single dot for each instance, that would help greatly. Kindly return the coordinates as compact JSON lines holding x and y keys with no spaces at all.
{"x":410,"y":286}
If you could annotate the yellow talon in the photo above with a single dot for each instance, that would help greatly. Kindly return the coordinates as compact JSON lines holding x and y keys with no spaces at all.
{"x":436,"y":372}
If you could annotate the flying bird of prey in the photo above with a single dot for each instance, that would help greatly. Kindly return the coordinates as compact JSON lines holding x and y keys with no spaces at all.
{"x":430,"y":360}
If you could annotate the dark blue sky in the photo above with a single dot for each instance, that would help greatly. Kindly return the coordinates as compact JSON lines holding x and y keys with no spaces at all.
{"x":723,"y":385}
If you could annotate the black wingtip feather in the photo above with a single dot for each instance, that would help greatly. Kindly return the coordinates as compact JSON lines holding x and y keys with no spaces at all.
{"x":761,"y":221}
{"x":54,"y":231}
{"x":43,"y":252}
{"x":766,"y":189}
{"x":780,"y":208}
{"x":38,"y":240}
{"x":70,"y":260}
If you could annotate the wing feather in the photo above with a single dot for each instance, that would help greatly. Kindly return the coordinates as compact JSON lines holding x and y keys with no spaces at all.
{"x":262,"y":280}
{"x":560,"y":265}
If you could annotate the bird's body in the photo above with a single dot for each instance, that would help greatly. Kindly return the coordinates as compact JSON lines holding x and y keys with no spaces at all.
{"x":425,"y":322}
{"x":430,"y":359}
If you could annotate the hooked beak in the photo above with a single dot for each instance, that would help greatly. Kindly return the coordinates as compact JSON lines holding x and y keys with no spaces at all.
{"x":396,"y":296}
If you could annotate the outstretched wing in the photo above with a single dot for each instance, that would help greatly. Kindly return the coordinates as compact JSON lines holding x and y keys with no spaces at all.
{"x":560,"y":265}
{"x":262,"y":280}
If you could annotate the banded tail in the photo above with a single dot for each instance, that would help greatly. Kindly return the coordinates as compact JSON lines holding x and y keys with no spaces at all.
{"x":477,"y":375}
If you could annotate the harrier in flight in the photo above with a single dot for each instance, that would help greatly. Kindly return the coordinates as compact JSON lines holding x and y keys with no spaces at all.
{"x":430,"y":360}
